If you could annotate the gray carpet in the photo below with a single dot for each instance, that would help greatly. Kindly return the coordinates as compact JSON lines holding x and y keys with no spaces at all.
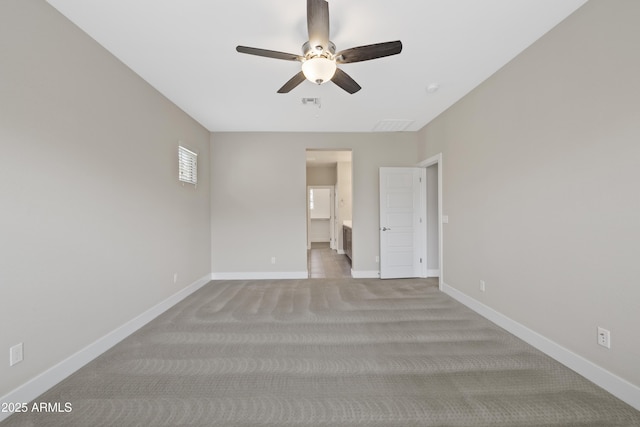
{"x":345,"y":352}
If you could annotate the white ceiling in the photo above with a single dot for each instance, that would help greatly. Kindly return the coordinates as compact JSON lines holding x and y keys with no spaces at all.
{"x":186,"y":50}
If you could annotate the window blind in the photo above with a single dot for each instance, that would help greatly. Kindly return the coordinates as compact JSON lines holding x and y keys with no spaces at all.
{"x":187,"y":165}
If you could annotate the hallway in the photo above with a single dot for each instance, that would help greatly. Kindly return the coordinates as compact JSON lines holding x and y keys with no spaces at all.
{"x":325,"y":263}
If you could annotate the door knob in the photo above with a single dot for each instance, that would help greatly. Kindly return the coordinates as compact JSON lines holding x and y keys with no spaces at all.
{"x":385,"y":229}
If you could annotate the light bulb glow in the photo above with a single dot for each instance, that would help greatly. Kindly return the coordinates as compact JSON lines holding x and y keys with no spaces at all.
{"x":319,"y":69}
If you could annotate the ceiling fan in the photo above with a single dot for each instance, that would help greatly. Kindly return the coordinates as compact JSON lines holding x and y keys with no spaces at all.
{"x":319,"y":58}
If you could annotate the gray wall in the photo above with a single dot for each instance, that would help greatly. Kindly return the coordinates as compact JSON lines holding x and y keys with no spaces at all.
{"x":93,"y":223}
{"x":258,"y":196}
{"x":541,"y":181}
{"x":321,"y":175}
{"x":433,"y":248}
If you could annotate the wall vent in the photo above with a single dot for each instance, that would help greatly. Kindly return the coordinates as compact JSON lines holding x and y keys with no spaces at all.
{"x":187,"y":165}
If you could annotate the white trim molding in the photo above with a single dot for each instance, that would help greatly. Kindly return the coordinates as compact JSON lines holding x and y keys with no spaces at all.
{"x":437,"y":160}
{"x":364,"y":274}
{"x":52,"y":376}
{"x":615,"y":385}
{"x":433,"y":273}
{"x":255,"y":275}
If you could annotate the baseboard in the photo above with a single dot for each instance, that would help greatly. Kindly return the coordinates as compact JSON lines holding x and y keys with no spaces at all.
{"x":363,"y":274}
{"x":251,"y":275}
{"x":433,"y":273}
{"x":52,"y":376}
{"x":615,"y":385}
{"x":340,"y":251}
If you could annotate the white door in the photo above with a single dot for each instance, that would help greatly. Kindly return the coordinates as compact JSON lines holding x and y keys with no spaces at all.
{"x":401,"y":226}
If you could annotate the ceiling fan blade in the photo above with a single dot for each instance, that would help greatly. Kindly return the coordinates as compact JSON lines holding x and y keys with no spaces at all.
{"x":292,"y":83}
{"x":345,"y":81}
{"x":372,"y":51}
{"x":318,"y":23}
{"x":268,"y":53}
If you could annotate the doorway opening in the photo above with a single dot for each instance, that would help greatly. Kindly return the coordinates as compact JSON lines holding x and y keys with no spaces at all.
{"x":329,"y":211}
{"x":321,"y":215}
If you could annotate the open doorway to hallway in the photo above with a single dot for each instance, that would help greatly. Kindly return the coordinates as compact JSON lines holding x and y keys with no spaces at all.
{"x":326,"y":263}
{"x":329,"y":212}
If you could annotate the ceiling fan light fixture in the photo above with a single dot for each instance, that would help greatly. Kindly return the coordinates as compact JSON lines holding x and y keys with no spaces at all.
{"x":319,"y":69}
{"x":319,"y":59}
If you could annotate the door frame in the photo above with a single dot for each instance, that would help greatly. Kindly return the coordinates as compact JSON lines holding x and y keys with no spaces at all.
{"x":435,"y":160}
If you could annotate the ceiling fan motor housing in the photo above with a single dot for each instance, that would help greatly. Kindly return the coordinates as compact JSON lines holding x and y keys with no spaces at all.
{"x":313,"y":51}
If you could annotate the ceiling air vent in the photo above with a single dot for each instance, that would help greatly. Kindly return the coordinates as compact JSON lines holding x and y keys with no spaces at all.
{"x":392,"y":125}
{"x":312,"y":101}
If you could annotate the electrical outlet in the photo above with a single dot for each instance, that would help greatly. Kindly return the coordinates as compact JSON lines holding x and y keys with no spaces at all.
{"x":482,"y":286}
{"x":16,"y":354}
{"x":175,"y":278}
{"x":377,"y":259}
{"x":273,"y":260}
{"x":604,"y":337}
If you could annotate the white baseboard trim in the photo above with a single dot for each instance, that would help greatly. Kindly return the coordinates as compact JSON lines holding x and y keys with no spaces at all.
{"x":340,"y":251}
{"x":363,"y":274}
{"x":615,"y":385}
{"x":52,"y":376}
{"x":251,"y":275}
{"x":433,"y":273}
